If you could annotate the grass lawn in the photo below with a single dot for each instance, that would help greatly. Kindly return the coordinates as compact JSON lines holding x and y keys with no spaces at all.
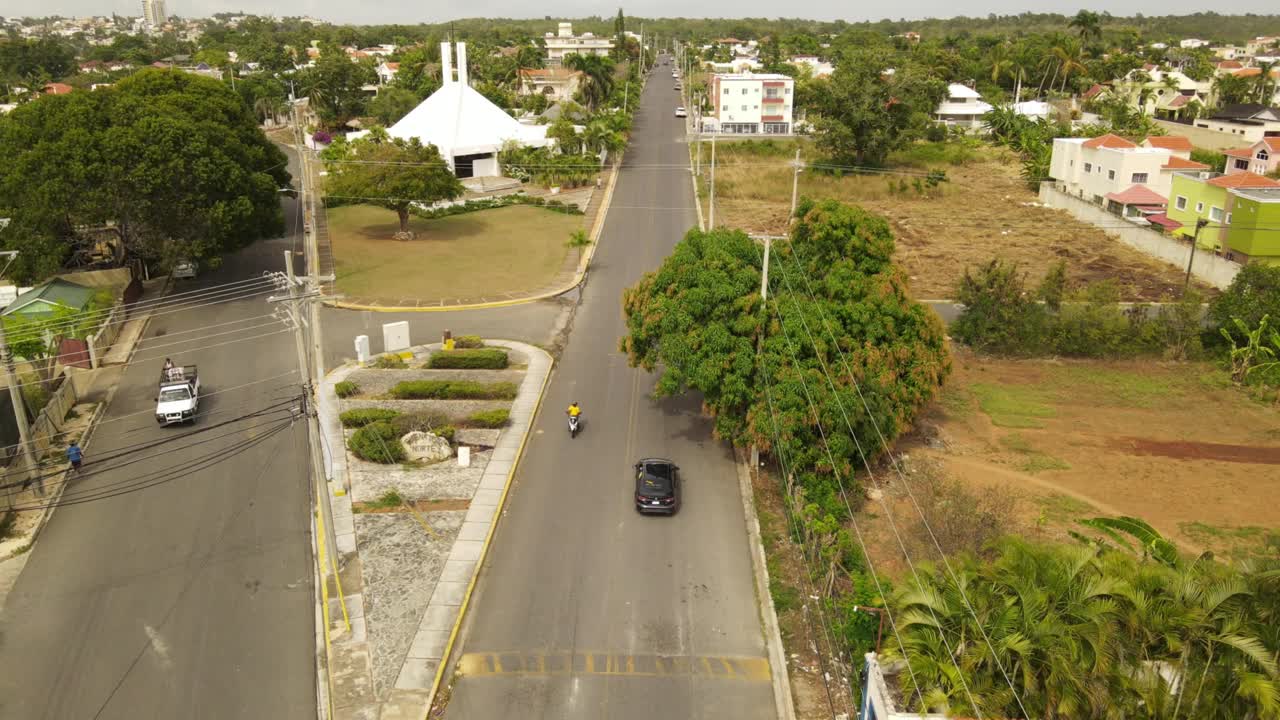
{"x":487,"y":254}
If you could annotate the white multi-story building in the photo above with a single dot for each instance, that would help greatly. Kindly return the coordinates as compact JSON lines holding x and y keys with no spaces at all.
{"x":752,"y":103}
{"x":1114,"y":173}
{"x":818,"y":68}
{"x":963,"y":108}
{"x":153,"y":12}
{"x":564,"y":42}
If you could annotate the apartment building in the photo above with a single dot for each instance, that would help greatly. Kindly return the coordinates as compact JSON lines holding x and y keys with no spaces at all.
{"x":564,"y":42}
{"x":1106,"y":169}
{"x":752,"y":103}
{"x":153,"y":12}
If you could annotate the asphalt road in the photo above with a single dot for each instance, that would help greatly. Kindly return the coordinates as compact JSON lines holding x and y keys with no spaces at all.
{"x":191,"y":598}
{"x":586,"y":609}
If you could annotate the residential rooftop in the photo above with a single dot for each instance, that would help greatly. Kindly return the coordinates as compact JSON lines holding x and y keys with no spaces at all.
{"x":1261,"y":194}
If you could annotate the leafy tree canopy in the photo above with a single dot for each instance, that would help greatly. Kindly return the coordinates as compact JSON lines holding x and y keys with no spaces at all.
{"x":390,"y":172}
{"x":838,"y":311}
{"x":176,"y":161}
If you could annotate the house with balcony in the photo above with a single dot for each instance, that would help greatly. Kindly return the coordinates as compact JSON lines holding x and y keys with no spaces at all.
{"x":1163,"y":93}
{"x":563,"y":43}
{"x":963,"y":108}
{"x":1202,"y":195}
{"x":751,"y":104}
{"x":1127,"y":179}
{"x":1261,"y":158}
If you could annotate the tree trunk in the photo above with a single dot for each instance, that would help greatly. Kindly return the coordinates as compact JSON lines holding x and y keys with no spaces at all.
{"x":403,"y":212}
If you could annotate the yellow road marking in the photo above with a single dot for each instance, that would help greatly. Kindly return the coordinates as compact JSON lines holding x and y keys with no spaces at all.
{"x":741,"y":669}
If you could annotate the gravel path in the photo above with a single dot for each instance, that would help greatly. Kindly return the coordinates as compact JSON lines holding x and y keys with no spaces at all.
{"x":401,"y":562}
{"x":436,"y":481}
{"x":455,"y":409}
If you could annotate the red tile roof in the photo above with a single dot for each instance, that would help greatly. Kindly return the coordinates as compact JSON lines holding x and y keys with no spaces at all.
{"x":1177,"y":163}
{"x":1272,"y":143}
{"x":1170,"y":142}
{"x":1244,"y":180}
{"x":1246,"y":153}
{"x":1110,"y":141}
{"x":1179,"y":101}
{"x":57,"y":89}
{"x":1164,"y":221}
{"x":1230,"y":65}
{"x":1093,"y":92}
{"x":1138,"y":195}
{"x":1254,"y":72}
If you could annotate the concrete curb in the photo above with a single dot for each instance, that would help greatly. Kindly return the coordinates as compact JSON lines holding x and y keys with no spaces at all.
{"x":782,"y":701}
{"x":62,"y":487}
{"x":579,"y":275}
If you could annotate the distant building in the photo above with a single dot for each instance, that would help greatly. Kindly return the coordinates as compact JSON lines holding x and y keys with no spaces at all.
{"x":557,"y":84}
{"x":751,"y":103}
{"x":1112,"y":172}
{"x":154,"y":14}
{"x":963,"y":108}
{"x":1192,"y":43}
{"x":564,"y":42}
{"x":817,"y":67}
{"x":1261,"y":158}
{"x":1251,"y":122}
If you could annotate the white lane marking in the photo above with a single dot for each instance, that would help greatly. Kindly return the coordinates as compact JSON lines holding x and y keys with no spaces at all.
{"x":158,"y":646}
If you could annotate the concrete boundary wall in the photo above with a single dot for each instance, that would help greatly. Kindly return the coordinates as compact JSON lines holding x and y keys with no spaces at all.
{"x":1209,"y":268}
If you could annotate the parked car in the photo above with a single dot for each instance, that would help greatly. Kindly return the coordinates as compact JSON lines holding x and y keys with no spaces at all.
{"x":680,"y":112}
{"x":657,"y":486}
{"x":185,"y":270}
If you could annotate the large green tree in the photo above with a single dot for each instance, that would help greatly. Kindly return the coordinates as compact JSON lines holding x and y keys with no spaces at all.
{"x":176,"y":161}
{"x":597,"y":77}
{"x":862,"y":114}
{"x":839,"y":330}
{"x":391,"y":172}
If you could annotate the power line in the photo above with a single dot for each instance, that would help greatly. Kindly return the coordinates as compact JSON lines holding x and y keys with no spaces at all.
{"x":866,"y":463}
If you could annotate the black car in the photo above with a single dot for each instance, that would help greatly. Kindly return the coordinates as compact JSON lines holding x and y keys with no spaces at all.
{"x":657,"y":486}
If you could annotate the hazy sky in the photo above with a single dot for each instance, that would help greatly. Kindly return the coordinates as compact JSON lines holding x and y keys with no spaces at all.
{"x":410,"y":11}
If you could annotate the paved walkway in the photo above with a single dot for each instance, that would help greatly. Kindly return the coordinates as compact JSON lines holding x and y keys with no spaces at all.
{"x":351,"y":659}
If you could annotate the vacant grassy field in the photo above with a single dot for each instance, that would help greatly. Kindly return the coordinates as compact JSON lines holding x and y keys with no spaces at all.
{"x":983,"y":210}
{"x":1171,"y":443}
{"x":485,"y":255}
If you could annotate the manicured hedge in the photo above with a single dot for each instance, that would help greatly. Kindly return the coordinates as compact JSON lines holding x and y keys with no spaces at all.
{"x":469,"y":359}
{"x":453,"y":390}
{"x":377,"y":442}
{"x":464,"y":342}
{"x":346,"y":388}
{"x":360,"y":417}
{"x":489,"y":418}
{"x":389,"y":362}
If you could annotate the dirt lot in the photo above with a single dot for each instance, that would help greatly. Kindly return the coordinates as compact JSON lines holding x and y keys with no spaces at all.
{"x":1173,"y":444}
{"x":984,"y":210}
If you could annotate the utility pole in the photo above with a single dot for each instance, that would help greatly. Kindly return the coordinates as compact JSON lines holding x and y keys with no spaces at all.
{"x":712,"y":224}
{"x":697,"y":151}
{"x":795,"y":193}
{"x":298,"y":319}
{"x":19,"y":406}
{"x":1195,"y":240}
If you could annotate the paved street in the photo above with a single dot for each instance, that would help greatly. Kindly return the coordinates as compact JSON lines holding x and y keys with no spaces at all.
{"x":191,"y":598}
{"x":586,"y":609}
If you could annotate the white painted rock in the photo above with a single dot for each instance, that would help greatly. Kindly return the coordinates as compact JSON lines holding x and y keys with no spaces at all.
{"x":425,"y":446}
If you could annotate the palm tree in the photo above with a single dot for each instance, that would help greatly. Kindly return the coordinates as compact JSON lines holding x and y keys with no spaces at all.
{"x":597,"y":80}
{"x":1265,"y":84}
{"x":1088,"y":24}
{"x":1002,"y":62}
{"x":1070,"y":57}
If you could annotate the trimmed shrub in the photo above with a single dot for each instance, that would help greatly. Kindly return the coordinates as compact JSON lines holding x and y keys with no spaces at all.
{"x":468,"y":342}
{"x":470,"y":359}
{"x":425,"y":421}
{"x":377,"y":442}
{"x":445,"y":431}
{"x":360,"y":417}
{"x":489,"y":418}
{"x":453,"y":390}
{"x":345,"y":389}
{"x":389,"y":362}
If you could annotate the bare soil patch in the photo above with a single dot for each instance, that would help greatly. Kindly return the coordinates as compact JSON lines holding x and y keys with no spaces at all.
{"x":983,"y":211}
{"x":421,"y":506}
{"x":1170,"y":443}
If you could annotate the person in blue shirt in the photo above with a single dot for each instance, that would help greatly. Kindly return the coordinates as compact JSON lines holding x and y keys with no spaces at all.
{"x":75,"y":455}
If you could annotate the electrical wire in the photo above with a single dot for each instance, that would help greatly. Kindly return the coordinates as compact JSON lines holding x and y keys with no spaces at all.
{"x":893,"y":461}
{"x":835,"y":469}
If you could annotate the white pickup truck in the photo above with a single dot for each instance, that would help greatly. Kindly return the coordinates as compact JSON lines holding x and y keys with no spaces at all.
{"x":179,"y":396}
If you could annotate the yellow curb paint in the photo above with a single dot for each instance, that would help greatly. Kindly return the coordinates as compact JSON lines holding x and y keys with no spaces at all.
{"x":488,"y":539}
{"x":596,"y":231}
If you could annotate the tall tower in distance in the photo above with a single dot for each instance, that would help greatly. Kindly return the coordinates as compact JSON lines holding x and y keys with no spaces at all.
{"x":153,"y":12}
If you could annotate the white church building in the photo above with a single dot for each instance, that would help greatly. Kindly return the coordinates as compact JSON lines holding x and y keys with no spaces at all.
{"x":464,"y":125}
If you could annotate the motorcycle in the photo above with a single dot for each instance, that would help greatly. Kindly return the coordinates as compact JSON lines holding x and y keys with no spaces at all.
{"x":573,"y":425}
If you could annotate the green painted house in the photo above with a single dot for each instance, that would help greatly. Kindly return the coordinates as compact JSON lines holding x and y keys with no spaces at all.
{"x":1254,"y":235}
{"x":1199,"y":195}
{"x":45,"y":301}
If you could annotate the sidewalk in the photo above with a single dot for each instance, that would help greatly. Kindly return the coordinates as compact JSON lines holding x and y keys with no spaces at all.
{"x":456,"y":547}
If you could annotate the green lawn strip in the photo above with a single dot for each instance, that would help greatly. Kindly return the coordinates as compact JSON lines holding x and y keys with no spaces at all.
{"x":1034,"y":461}
{"x":1063,"y":509}
{"x":515,"y":249}
{"x":1122,"y":388}
{"x":1013,"y":406}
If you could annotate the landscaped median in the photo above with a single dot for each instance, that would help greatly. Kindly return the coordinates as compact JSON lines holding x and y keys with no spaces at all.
{"x":420,"y":516}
